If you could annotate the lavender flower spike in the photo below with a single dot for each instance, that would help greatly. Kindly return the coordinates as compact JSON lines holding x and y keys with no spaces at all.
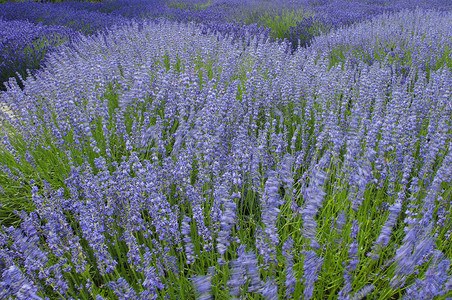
{"x":15,"y":284}
{"x":203,"y":285}
{"x":312,"y":266}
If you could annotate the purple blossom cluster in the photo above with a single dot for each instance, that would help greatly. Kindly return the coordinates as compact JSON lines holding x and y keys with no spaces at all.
{"x":165,"y":129}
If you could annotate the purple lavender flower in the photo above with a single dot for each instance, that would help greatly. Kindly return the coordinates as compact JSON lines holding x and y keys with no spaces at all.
{"x":340,"y":222}
{"x":417,"y":245}
{"x":435,"y":279}
{"x":152,"y":280}
{"x":122,"y":289}
{"x":189,"y":248}
{"x":313,"y":202}
{"x":196,"y":200}
{"x":312,"y":265}
{"x":203,"y":285}
{"x":133,"y":255}
{"x":383,"y":238}
{"x":270,"y":212}
{"x":92,"y":228}
{"x":34,"y":260}
{"x":14,"y":283}
{"x":290,"y":276}
{"x":238,"y":277}
{"x":228,"y":219}
{"x":270,"y":289}
{"x":253,"y":273}
{"x":354,"y":260}
{"x":362,"y":293}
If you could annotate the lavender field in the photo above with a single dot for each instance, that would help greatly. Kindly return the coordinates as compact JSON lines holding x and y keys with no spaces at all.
{"x":226,"y":149}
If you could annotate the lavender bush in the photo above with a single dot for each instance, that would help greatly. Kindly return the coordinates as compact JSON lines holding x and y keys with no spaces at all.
{"x":391,"y":36}
{"x":23,"y":45}
{"x":30,"y":30}
{"x":298,"y":22}
{"x":159,"y":160}
{"x":76,"y":18}
{"x":41,"y":22}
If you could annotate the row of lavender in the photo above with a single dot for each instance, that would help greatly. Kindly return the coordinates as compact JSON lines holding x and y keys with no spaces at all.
{"x":30,"y":30}
{"x":228,"y":17}
{"x":330,"y":14}
{"x":45,"y":26}
{"x":161,"y":158}
{"x":23,"y":45}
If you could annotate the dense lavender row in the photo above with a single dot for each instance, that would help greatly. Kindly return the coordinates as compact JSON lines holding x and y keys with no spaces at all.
{"x":33,"y":29}
{"x":169,"y":159}
{"x":298,"y":21}
{"x":422,"y":39}
{"x":84,"y":21}
{"x":23,"y":45}
{"x":88,"y":18}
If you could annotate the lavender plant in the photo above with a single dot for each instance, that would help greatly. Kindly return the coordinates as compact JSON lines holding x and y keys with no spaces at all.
{"x":158,"y":160}
{"x":401,"y":38}
{"x":76,"y":18}
{"x":23,"y":46}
